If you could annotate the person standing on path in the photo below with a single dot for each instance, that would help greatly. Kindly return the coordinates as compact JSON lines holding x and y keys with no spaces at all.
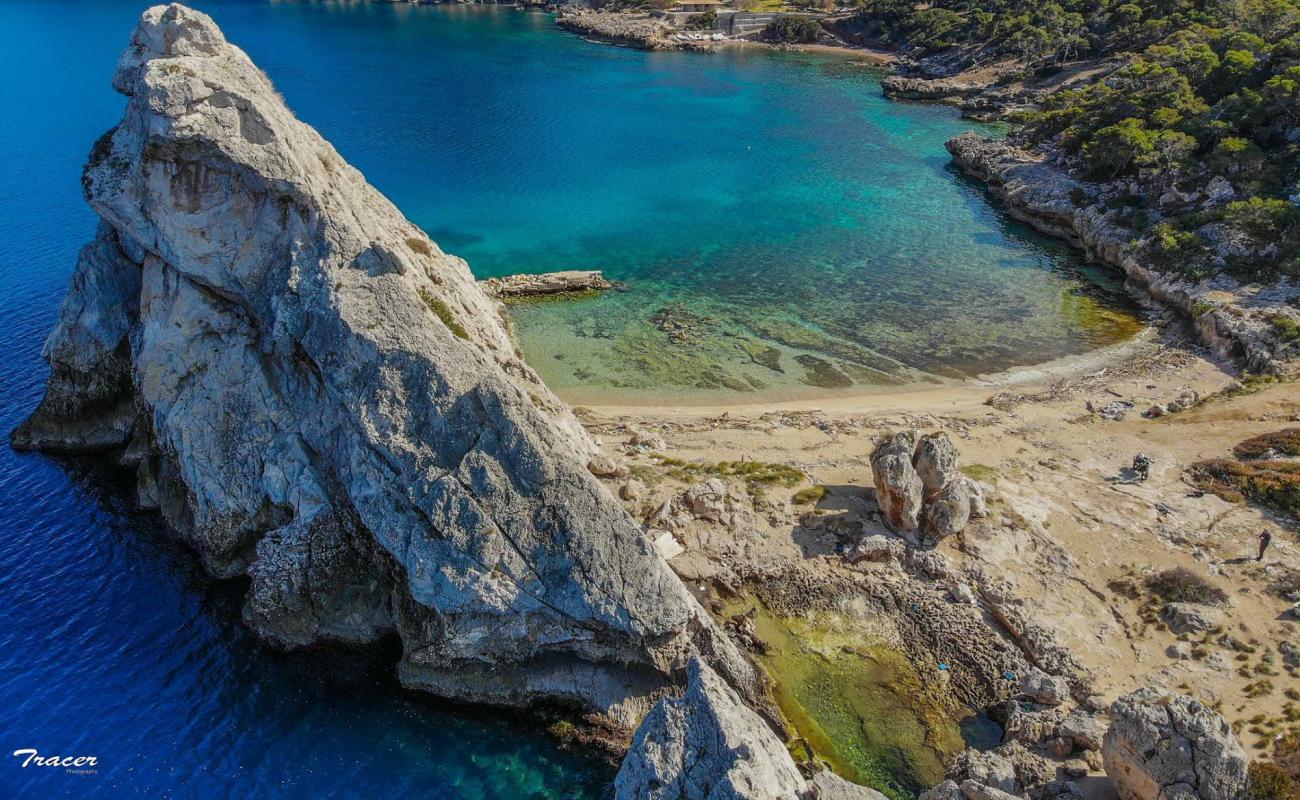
{"x":1265,"y":538}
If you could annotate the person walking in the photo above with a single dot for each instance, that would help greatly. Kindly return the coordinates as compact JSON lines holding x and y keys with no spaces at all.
{"x":1265,"y":539}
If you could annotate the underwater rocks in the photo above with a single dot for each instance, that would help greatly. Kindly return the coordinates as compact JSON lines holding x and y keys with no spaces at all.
{"x":708,"y":745}
{"x":315,"y":396}
{"x":918,"y":485}
{"x":1163,"y":746}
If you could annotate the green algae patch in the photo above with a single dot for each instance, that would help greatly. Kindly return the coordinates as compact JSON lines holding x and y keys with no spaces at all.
{"x":1094,"y":318}
{"x":552,"y":297}
{"x":443,"y":312}
{"x":754,"y":473}
{"x":856,"y":703}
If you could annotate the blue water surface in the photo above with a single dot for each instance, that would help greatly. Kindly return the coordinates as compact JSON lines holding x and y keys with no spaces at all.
{"x":772,"y":201}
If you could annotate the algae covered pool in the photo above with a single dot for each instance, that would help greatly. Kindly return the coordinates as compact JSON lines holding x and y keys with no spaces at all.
{"x":855,"y":701}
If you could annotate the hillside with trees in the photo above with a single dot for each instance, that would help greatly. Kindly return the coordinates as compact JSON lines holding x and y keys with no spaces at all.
{"x":1196,"y":110}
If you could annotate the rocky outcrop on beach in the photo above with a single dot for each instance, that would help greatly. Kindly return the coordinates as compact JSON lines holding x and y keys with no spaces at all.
{"x":315,"y":396}
{"x":1235,"y":319}
{"x":708,"y":745}
{"x":919,"y":486}
{"x":1163,"y":746}
{"x":977,"y":99}
{"x":902,"y":87}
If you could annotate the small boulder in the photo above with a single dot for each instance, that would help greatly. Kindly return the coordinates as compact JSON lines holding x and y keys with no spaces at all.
{"x":948,"y":512}
{"x":875,"y":548}
{"x":974,"y":790}
{"x":1050,"y":690}
{"x":979,"y":507}
{"x":1219,"y":191}
{"x":602,"y":466}
{"x":1086,"y":732}
{"x":948,"y":790}
{"x":826,"y":785}
{"x":985,"y":768}
{"x":706,"y":500}
{"x":1192,"y":618}
{"x":1075,"y":768}
{"x":648,"y":441}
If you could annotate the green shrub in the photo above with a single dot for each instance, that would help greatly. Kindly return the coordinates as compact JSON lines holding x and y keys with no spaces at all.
{"x":443,"y":312}
{"x":1272,"y":484}
{"x":791,"y":30}
{"x":813,"y":494}
{"x":1284,"y":442}
{"x":1270,"y":782}
{"x":704,"y":21}
{"x":1181,"y":585}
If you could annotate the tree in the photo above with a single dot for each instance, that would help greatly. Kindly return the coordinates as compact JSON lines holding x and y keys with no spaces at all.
{"x":791,"y":30}
{"x":704,"y":21}
{"x":1115,"y":148}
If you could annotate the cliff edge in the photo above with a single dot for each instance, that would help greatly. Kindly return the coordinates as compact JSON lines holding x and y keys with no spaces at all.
{"x":314,"y":395}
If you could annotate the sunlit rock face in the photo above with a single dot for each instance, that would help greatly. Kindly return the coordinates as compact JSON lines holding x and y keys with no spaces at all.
{"x":315,"y":395}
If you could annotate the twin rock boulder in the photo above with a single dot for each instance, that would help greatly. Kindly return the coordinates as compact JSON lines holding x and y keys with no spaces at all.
{"x":919,"y":487}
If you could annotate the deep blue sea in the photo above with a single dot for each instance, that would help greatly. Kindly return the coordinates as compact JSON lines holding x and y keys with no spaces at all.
{"x":804,"y":231}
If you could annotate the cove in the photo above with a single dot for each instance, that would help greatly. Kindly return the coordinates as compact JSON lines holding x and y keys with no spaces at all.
{"x":522,"y":149}
{"x":779,"y":229}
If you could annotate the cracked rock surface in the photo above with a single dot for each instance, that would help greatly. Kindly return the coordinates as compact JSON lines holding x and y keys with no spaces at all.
{"x":314,"y":395}
{"x":1166,"y":746}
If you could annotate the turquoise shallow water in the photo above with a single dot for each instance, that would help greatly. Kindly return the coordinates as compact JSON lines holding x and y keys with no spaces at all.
{"x":778,"y":227}
{"x":798,"y":231}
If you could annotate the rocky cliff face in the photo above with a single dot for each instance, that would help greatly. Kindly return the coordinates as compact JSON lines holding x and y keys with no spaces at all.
{"x":1236,"y":320}
{"x":316,"y":396}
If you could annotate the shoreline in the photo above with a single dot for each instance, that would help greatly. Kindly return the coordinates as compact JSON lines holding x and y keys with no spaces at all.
{"x":866,"y":398}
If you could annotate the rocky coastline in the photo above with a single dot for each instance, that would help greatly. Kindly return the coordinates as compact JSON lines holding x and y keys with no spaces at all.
{"x":316,"y":398}
{"x":567,"y":282}
{"x":641,"y":31}
{"x":1236,"y":320}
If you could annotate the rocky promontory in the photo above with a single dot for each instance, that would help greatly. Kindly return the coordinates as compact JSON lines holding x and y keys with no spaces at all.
{"x":572,"y":281}
{"x":316,"y":397}
{"x":641,"y":31}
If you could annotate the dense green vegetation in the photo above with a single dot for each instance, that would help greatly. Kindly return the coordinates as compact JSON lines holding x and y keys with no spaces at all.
{"x":704,"y":21}
{"x":1194,"y":90}
{"x":792,"y":30}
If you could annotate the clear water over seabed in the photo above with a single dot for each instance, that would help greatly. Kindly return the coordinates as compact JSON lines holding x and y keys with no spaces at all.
{"x":796,"y":229}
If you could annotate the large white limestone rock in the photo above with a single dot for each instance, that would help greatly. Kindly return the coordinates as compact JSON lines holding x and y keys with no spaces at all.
{"x":315,"y":395}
